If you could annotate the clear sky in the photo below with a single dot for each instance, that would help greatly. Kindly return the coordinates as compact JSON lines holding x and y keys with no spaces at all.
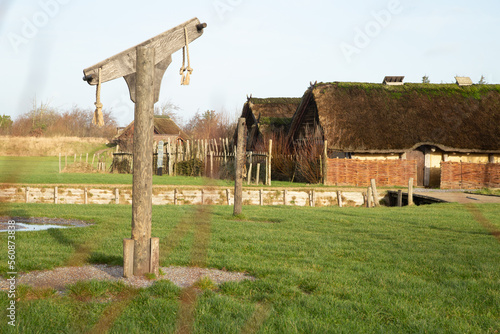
{"x":265,"y":48}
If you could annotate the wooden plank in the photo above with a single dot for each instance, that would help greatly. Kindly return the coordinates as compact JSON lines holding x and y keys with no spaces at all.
{"x":164,"y":45}
{"x":142,"y":188}
{"x":128,"y":258}
{"x":154,"y":265}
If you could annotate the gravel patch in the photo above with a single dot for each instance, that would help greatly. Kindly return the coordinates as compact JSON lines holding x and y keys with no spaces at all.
{"x":59,"y":278}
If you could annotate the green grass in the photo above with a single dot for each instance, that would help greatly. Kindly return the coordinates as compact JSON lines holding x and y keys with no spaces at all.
{"x":487,"y":191}
{"x":45,"y":170}
{"x":319,"y":270}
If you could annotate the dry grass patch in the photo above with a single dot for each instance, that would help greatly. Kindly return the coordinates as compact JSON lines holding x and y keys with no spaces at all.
{"x":33,"y":146}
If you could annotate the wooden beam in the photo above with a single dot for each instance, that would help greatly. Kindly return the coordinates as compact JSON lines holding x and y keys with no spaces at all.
{"x":164,"y":45}
{"x":143,"y":161}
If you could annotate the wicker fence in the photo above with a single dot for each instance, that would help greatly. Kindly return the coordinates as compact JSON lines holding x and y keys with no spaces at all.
{"x":353,"y":172}
{"x":465,"y":175}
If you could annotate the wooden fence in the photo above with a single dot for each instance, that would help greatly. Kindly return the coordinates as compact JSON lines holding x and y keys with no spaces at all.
{"x":465,"y":175}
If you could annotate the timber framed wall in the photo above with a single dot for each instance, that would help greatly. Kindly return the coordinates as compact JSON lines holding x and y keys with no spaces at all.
{"x":466,"y":175}
{"x":354,"y":172}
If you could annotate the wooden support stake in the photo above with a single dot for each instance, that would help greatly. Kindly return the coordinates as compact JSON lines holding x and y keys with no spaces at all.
{"x":339,"y":199}
{"x":249,"y":174}
{"x":117,"y":196}
{"x":175,"y":196}
{"x":239,"y":161}
{"x":202,"y":195}
{"x":93,"y":158}
{"x":128,"y":258}
{"x":261,"y":200}
{"x":313,"y":198}
{"x":154,"y":265}
{"x":85,"y":196}
{"x":269,"y":160}
{"x":143,"y":164}
{"x":258,"y":174}
{"x":285,"y":193}
{"x":227,"y":196}
{"x":400,"y":198}
{"x":27,"y":195}
{"x":56,"y":199}
{"x":369,"y":197}
{"x":325,"y":162}
{"x":375,"y":192}
{"x":410,"y":191}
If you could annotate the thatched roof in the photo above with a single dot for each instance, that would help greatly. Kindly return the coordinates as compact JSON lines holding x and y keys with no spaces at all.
{"x":163,"y":125}
{"x":268,"y":114}
{"x":359,"y":117}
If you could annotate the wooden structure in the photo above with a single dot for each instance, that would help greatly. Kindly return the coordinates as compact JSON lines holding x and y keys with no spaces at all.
{"x":265,"y":117}
{"x":429,"y":123}
{"x":143,"y":67}
{"x":164,"y":129}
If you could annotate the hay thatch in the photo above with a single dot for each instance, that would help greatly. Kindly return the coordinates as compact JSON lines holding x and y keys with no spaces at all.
{"x":164,"y":129}
{"x":357,"y":117}
{"x":268,"y":115}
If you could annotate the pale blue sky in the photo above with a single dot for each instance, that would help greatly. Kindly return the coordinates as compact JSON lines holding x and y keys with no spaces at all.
{"x":264,"y":48}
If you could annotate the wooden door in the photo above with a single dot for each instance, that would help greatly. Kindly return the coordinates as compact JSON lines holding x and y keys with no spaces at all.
{"x":420,"y":158}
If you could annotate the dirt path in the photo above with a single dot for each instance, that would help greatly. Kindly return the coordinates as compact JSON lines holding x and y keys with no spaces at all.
{"x":461,"y":197}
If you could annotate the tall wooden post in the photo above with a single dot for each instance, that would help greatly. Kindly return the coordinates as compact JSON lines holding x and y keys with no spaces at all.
{"x":239,"y":161}
{"x":325,"y":162}
{"x":269,"y":161}
{"x":375,"y":192}
{"x":143,"y":160}
{"x":410,"y":191}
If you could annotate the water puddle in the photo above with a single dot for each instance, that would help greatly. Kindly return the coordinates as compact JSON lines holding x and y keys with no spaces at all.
{"x":39,"y":223}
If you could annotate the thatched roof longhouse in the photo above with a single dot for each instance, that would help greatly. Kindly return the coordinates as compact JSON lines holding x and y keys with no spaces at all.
{"x":375,"y":118}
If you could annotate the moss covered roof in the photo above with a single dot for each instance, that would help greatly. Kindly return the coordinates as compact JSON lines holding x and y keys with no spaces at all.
{"x":366,"y":117}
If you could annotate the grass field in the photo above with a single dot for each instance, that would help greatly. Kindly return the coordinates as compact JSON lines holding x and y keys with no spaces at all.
{"x":422,"y":269}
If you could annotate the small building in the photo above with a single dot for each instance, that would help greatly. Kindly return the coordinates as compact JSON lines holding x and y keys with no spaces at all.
{"x":429,"y":123}
{"x":164,"y":129}
{"x":266,"y":117}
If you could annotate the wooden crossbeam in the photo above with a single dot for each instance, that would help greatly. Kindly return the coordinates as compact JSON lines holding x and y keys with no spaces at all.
{"x":165,"y":45}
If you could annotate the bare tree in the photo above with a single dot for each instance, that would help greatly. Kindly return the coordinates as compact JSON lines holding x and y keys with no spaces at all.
{"x":425,"y":79}
{"x":169,"y":109}
{"x":482,"y":81}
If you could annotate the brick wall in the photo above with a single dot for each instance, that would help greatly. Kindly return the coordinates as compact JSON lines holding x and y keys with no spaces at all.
{"x":466,"y":175}
{"x":354,"y":172}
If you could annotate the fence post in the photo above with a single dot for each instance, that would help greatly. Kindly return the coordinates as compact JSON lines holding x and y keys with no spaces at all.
{"x":339,"y":199}
{"x":269,"y":160}
{"x":261,"y":202}
{"x":325,"y":162}
{"x":400,"y":198}
{"x":175,"y":196}
{"x":86,"y":158}
{"x":239,"y":161}
{"x":117,"y":196}
{"x":202,"y":199}
{"x":249,"y":174}
{"x":285,"y":192}
{"x":410,"y":191}
{"x":227,"y":196}
{"x":312,"y":200}
{"x":369,"y":197}
{"x":27,"y":194}
{"x":85,"y":196}
{"x":258,"y":174}
{"x":56,"y":200}
{"x":375,"y":192}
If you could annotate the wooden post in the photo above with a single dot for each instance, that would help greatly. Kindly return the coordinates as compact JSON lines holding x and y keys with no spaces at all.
{"x":258,"y":174}
{"x":249,"y":173}
{"x":175,"y":196}
{"x":211,"y":164}
{"x":56,"y":199}
{"x":143,"y":162}
{"x":93,"y":158}
{"x":239,"y":161}
{"x":154,"y":264}
{"x":60,"y":163}
{"x":313,"y":198}
{"x":86,"y":158}
{"x":410,"y":191}
{"x":339,"y":199}
{"x":227,"y":196}
{"x":375,"y":192}
{"x":85,"y":196}
{"x":117,"y":196}
{"x":261,"y":200}
{"x":400,"y":198}
{"x":128,"y":258}
{"x":369,"y":197}
{"x":285,"y":193}
{"x":202,"y":195}
{"x":27,"y":195}
{"x":325,"y":162}
{"x":269,"y":160}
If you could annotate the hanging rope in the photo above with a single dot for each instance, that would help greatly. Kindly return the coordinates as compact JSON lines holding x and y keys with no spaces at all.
{"x":98,"y":117}
{"x":186,"y":71}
